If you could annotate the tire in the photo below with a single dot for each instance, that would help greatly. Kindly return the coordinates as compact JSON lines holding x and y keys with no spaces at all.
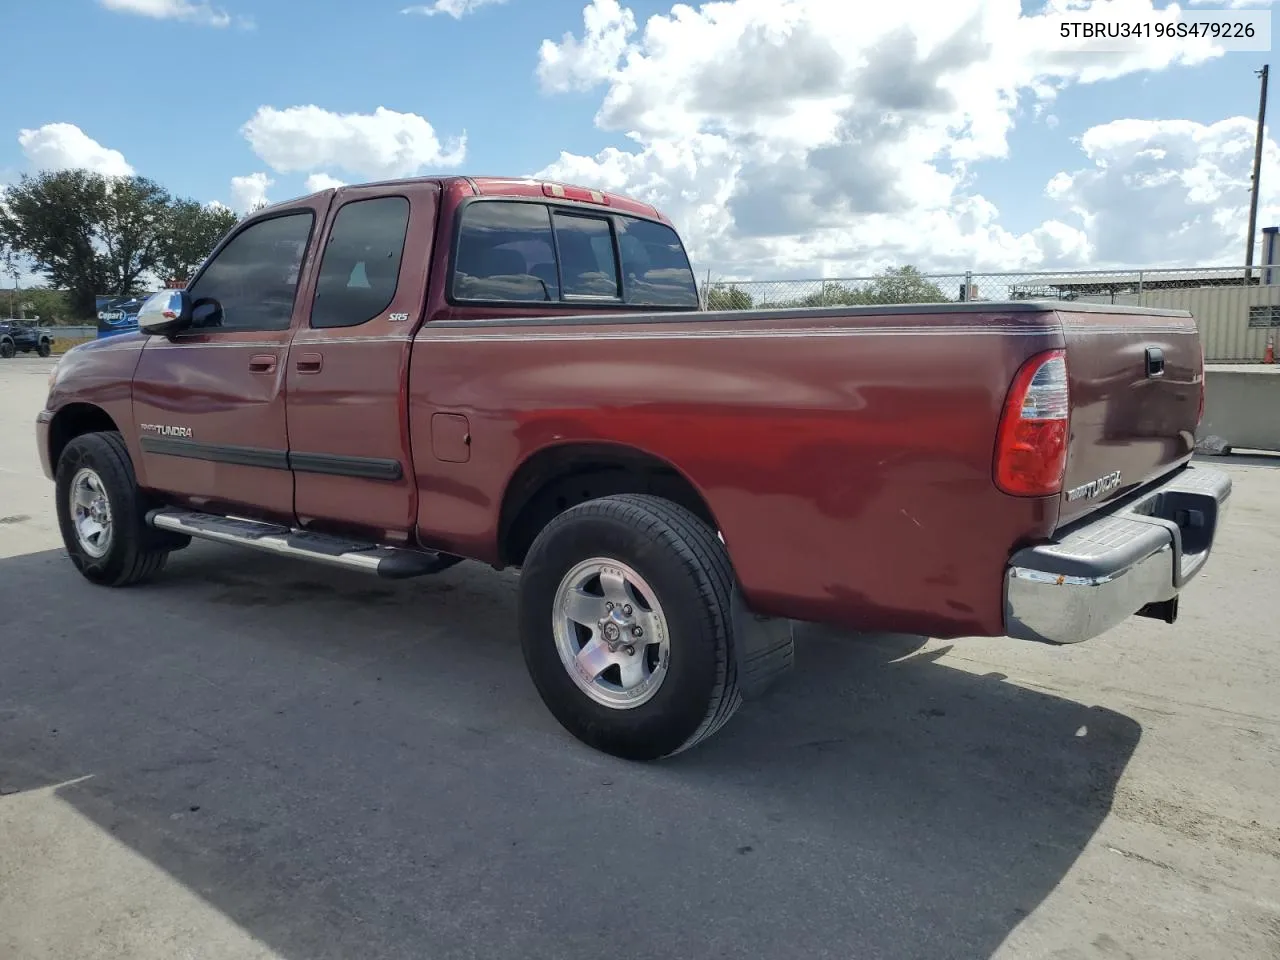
{"x":675,"y":565}
{"x":7,"y":349}
{"x":45,"y":348}
{"x":131,"y":552}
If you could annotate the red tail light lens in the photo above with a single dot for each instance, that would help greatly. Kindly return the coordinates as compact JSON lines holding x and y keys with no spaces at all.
{"x":1031,"y":445}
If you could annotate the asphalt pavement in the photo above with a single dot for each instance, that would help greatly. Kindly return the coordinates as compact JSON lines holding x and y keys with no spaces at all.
{"x":255,"y":757}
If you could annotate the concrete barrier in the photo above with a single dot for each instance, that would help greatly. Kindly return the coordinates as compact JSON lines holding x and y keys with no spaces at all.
{"x":1241,"y":408}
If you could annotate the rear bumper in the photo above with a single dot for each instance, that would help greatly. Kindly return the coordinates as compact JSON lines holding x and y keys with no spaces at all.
{"x":1134,"y":559}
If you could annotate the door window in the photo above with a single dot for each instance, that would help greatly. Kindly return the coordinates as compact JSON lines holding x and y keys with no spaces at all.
{"x":360,"y":268}
{"x":254,"y":278}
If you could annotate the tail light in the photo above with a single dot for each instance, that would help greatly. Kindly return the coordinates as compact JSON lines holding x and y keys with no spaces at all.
{"x":1031,"y":445}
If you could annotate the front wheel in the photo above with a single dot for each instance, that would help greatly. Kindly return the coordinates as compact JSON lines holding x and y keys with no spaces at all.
{"x":45,"y":348}
{"x":102,"y":516}
{"x":626,"y":626}
{"x":7,"y":349}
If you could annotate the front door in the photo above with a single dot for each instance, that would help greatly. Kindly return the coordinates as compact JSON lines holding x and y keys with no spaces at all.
{"x":209,"y":403}
{"x":348,"y":372}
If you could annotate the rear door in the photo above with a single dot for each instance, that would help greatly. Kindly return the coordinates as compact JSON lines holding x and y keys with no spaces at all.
{"x":347,"y":377}
{"x":1135,"y":382}
{"x":209,"y":403}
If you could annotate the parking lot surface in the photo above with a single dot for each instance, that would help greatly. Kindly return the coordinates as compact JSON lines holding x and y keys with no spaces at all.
{"x":255,"y":757}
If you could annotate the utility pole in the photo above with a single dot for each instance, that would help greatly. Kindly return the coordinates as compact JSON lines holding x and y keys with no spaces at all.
{"x":1257,"y":170}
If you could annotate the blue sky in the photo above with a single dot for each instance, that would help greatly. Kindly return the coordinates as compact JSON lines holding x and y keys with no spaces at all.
{"x":172,"y":92}
{"x":173,"y":95}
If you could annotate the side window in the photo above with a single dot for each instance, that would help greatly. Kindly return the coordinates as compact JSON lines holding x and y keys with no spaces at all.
{"x":587,"y":264}
{"x":655,"y":269}
{"x":255,"y":276}
{"x":361,"y":264}
{"x":505,"y":252}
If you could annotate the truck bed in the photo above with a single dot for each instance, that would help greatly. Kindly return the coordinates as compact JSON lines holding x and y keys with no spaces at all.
{"x":834,"y":446}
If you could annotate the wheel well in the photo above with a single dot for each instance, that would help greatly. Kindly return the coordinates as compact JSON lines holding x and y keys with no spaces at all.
{"x":75,"y":420}
{"x":553,"y":480}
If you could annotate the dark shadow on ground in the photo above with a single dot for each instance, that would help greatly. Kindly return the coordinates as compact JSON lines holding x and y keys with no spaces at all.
{"x":375,"y":776}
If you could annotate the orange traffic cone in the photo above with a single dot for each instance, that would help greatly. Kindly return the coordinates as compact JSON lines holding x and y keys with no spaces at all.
{"x":1270,"y":355}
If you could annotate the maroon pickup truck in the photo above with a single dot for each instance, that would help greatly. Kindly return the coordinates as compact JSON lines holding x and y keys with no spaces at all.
{"x":396,"y":377}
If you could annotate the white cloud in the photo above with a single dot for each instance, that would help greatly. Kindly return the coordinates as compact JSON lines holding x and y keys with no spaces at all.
{"x":188,"y":10}
{"x":1168,"y":191}
{"x":454,"y":8}
{"x":805,"y":135}
{"x":249,"y":191}
{"x":322,"y":181}
{"x":572,"y":64}
{"x":381,"y":144}
{"x":64,"y":146}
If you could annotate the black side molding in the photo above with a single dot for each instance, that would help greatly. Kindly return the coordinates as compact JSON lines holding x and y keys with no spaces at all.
{"x":368,"y":468}
{"x":217,"y":452}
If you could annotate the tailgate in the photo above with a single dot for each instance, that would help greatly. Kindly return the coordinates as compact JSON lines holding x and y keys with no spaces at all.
{"x":1135,"y":378}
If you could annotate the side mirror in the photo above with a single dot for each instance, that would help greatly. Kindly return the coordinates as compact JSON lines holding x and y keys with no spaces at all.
{"x":206,"y":312}
{"x":165,"y":313}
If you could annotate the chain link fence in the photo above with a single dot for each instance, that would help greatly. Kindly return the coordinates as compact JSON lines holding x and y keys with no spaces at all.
{"x":906,"y":285}
{"x":1237,"y":308}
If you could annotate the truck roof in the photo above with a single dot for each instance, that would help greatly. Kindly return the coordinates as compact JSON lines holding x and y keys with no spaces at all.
{"x":499,"y":186}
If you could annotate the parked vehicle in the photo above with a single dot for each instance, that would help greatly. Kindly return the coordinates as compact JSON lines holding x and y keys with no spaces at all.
{"x":24,"y":336}
{"x":393,"y":377}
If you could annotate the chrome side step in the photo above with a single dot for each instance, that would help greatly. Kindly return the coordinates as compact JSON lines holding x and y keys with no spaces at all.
{"x":392,"y":563}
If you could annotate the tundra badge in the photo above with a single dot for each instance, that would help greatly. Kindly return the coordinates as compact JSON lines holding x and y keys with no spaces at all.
{"x":1095,"y":488}
{"x":165,"y":430}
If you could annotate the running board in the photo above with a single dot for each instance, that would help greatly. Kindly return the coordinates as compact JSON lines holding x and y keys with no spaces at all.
{"x":391,"y":563}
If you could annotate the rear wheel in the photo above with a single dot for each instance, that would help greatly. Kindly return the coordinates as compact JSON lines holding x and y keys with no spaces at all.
{"x":102,"y":515}
{"x":625,"y":622}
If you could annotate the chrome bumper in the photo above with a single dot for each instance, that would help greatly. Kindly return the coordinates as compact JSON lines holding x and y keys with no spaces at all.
{"x":1133,"y":560}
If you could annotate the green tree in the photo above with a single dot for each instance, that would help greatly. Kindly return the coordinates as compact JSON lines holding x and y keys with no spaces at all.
{"x":900,"y":285}
{"x":88,"y":233}
{"x":191,"y":233}
{"x":720,"y":297}
{"x":51,"y":306}
{"x":903,"y":285}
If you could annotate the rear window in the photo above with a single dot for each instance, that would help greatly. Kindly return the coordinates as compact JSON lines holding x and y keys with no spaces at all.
{"x":506,"y":252}
{"x":655,"y":269}
{"x":587,"y":263}
{"x":518,"y":252}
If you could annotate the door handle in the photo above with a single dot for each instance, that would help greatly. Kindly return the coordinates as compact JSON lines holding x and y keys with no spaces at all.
{"x":1155,"y":362}
{"x":309,"y":363}
{"x":262,"y":363}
